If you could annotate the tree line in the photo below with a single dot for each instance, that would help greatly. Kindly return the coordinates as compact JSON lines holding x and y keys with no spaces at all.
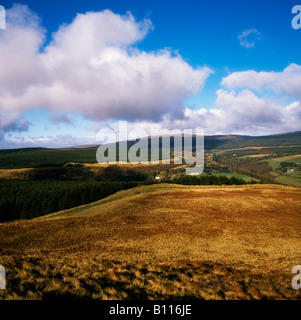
{"x":29,"y":199}
{"x":210,"y":180}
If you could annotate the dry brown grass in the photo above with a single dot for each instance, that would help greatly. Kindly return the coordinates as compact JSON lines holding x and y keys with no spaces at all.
{"x":14,"y":173}
{"x":260,"y":155}
{"x":51,"y":276}
{"x":160,"y":242}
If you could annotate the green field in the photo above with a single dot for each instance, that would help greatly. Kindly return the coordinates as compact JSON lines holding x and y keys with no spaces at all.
{"x":235,"y":175}
{"x":294,"y":159}
{"x":275,"y":162}
{"x":289,"y":180}
{"x":253,"y":151}
{"x":294,"y":178}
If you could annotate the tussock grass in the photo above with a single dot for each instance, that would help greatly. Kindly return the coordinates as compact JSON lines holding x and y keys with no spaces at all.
{"x":45,"y":276}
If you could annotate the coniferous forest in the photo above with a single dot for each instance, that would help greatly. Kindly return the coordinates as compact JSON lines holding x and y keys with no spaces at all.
{"x":30,"y":199}
{"x":27,"y":199}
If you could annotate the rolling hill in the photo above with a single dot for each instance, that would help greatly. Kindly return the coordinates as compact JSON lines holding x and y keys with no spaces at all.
{"x":160,"y":242}
{"x":39,"y":157}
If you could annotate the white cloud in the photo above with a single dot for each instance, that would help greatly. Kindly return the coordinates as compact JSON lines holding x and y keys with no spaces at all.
{"x":248,"y":37}
{"x":91,"y":67}
{"x":240,"y":113}
{"x":271,"y":113}
{"x":235,"y":113}
{"x":287,"y":82}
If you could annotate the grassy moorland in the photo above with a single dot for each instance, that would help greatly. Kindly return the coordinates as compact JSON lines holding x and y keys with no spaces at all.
{"x":205,"y":237}
{"x":160,"y":242}
{"x":46,"y":190}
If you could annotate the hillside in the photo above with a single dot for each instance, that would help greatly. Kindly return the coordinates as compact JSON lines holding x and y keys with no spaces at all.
{"x":237,"y":141}
{"x":160,"y":241}
{"x":43,"y":157}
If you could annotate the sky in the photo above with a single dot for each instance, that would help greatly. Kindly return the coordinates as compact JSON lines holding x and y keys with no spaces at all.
{"x":71,"y":68}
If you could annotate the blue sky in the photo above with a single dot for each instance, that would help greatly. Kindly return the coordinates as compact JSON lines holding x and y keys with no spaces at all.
{"x":200,"y":30}
{"x":227,"y":37}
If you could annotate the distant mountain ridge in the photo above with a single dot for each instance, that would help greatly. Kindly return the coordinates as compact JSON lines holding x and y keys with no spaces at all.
{"x":220,"y":140}
{"x":35,"y":157}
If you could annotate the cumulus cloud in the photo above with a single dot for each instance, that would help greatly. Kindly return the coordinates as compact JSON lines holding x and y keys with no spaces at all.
{"x":92,"y":67}
{"x":250,"y":103}
{"x":248,"y":37}
{"x":253,"y":103}
{"x":287,"y":82}
{"x":242,"y":113}
{"x":12,"y":123}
